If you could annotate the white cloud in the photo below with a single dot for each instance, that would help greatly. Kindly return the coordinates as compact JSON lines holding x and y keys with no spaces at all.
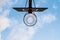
{"x":4,"y":20}
{"x":0,"y":35}
{"x":23,"y":32}
{"x":55,"y":6}
{"x":5,"y":13}
{"x":1,"y":9}
{"x":4,"y":23}
{"x":7,"y":2}
{"x":4,"y":2}
{"x":48,"y":18}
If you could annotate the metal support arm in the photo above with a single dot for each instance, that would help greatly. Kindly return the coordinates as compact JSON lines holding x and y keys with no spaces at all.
{"x":26,"y":9}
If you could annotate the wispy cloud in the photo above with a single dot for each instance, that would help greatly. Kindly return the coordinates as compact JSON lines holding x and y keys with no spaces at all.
{"x":55,"y":6}
{"x":1,"y":9}
{"x":0,"y":36}
{"x":4,"y":20}
{"x":7,"y":2}
{"x":21,"y":31}
{"x":48,"y":18}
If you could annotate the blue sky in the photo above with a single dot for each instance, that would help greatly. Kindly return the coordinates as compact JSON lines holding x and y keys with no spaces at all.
{"x":12,"y":26}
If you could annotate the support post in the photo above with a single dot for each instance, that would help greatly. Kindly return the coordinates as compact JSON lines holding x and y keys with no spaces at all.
{"x":30,"y":6}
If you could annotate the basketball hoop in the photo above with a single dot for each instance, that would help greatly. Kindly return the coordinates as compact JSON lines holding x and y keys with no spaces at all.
{"x":30,"y":19}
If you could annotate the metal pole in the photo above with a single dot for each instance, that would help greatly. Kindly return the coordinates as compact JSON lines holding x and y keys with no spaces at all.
{"x":30,"y":3}
{"x":30,"y":6}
